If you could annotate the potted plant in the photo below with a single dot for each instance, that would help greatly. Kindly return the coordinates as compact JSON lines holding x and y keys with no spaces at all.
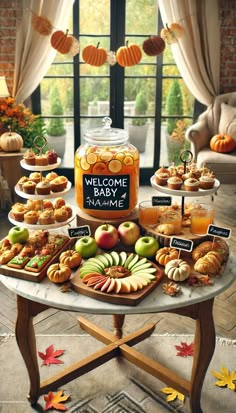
{"x":56,"y":132}
{"x":139,"y":127}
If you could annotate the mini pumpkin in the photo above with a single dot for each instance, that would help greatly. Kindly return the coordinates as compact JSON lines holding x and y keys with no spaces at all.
{"x":58,"y":273}
{"x":154,"y":45}
{"x":171,"y":34}
{"x":64,"y":43}
{"x":177,"y":270}
{"x":222,"y":143}
{"x":94,"y":55}
{"x":128,"y":55}
{"x":11,"y":142}
{"x":70,"y":258}
{"x":166,"y":254}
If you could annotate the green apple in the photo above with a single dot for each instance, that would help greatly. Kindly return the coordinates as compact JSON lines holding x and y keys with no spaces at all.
{"x":86,"y":246}
{"x":146,"y":246}
{"x":18,"y":234}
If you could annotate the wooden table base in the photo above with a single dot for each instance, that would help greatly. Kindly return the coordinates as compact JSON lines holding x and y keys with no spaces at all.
{"x":204,"y":345}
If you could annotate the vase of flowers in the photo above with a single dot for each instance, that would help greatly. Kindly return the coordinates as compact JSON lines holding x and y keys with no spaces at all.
{"x":21,"y":120}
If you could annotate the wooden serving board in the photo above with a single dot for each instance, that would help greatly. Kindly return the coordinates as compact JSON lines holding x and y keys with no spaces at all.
{"x":123,"y":299}
{"x":35,"y":276}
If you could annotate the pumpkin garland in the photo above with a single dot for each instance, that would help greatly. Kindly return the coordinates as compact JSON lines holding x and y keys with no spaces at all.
{"x":171,"y":34}
{"x":154,"y":45}
{"x":129,"y":55}
{"x":94,"y":55}
{"x":64,"y":43}
{"x":42,"y":25}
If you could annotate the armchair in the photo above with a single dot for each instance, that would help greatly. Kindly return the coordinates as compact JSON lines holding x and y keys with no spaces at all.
{"x":220,"y":117}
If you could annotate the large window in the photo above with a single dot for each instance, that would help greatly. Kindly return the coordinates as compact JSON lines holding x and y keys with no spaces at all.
{"x":149,"y":100}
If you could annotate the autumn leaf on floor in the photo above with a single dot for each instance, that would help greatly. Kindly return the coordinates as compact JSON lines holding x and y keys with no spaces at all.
{"x":185,"y":349}
{"x":50,"y":356}
{"x":225,"y":379}
{"x":53,"y":401}
{"x":172,"y":394}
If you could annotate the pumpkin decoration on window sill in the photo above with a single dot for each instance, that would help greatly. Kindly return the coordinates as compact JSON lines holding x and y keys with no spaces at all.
{"x":94,"y":55}
{"x":64,"y":43}
{"x":128,"y":55}
{"x":222,"y":143}
{"x":42,"y":25}
{"x":153,"y":46}
{"x":171,"y":34}
{"x":11,"y":141}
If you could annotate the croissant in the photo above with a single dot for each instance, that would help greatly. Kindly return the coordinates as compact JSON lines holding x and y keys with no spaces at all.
{"x":218,"y":245}
{"x":166,"y":229}
{"x":209,"y":264}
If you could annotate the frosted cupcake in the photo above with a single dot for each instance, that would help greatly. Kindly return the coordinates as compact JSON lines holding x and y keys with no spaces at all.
{"x":191,"y":184}
{"x":174,"y":182}
{"x":206,"y":182}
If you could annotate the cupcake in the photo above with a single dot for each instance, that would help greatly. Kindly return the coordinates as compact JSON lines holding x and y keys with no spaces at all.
{"x":59,"y":202}
{"x":162,"y":177}
{"x":43,"y":187}
{"x":47,"y":204}
{"x":68,"y":209}
{"x":31,"y":217}
{"x":29,"y":187}
{"x":21,"y":181}
{"x":35,"y":176}
{"x":47,"y":217}
{"x":34,"y":205}
{"x":59,"y":184}
{"x":61,"y":214}
{"x":52,"y":157}
{"x":51,"y":175}
{"x":29,"y":157}
{"x":41,"y":160}
{"x":174,"y":182}
{"x":18,"y":211}
{"x":206,"y":182}
{"x":191,"y":184}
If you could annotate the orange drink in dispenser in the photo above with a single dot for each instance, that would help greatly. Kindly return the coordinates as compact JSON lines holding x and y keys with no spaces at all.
{"x":107,"y":173}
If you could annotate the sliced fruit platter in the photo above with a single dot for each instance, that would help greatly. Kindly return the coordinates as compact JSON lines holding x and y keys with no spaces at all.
{"x":117,"y":277}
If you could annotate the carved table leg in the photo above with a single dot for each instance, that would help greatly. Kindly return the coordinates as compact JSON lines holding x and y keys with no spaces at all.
{"x":25,"y":338}
{"x":204,"y":346}
{"x":118,"y":321}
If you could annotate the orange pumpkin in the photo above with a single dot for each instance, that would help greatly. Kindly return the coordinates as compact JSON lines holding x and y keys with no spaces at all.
{"x":59,"y":273}
{"x":172,"y":33}
{"x":71,"y":258}
{"x":61,"y":41}
{"x":154,"y":45}
{"x":222,"y":143}
{"x":94,"y":56}
{"x":129,"y":55}
{"x":166,"y":254}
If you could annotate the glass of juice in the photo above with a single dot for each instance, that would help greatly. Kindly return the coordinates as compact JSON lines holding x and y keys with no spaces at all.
{"x":202,"y":215}
{"x":148,"y":214}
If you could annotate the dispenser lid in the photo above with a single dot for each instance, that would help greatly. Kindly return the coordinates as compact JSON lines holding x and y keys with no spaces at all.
{"x":106,"y":135}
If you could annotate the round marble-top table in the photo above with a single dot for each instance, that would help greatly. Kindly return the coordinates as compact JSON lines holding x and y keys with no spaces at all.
{"x":197,"y":303}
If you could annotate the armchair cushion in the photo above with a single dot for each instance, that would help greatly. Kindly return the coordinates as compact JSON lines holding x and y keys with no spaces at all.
{"x":227,"y":125}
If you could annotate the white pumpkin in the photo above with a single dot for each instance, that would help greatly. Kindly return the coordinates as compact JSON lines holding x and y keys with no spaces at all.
{"x":177,"y":270}
{"x":11,"y":142}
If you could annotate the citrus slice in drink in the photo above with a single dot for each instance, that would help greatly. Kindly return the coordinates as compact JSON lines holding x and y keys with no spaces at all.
{"x":106,"y":156}
{"x":115,"y":166}
{"x":91,"y":158}
{"x":84,"y":164}
{"x":99,"y":168}
{"x":128,"y":160}
{"x":120,"y":156}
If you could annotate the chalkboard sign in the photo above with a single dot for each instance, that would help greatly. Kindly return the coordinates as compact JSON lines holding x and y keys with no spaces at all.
{"x":219,"y":231}
{"x":161,"y":200}
{"x":81,"y":231}
{"x":106,"y":192}
{"x":181,"y":244}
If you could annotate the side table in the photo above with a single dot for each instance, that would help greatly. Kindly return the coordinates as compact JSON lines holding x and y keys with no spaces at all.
{"x":11,"y":171}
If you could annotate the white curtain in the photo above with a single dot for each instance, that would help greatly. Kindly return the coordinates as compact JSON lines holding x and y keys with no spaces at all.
{"x":34,"y":53}
{"x":197,"y":53}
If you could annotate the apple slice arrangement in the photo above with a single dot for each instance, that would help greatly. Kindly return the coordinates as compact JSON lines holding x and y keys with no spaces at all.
{"x":117,"y":272}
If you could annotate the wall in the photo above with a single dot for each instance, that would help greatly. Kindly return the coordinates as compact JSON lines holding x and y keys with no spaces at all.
{"x":10,"y":12}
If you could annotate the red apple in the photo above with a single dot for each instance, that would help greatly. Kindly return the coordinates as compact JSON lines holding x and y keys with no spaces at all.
{"x":129,"y":232}
{"x":106,"y":236}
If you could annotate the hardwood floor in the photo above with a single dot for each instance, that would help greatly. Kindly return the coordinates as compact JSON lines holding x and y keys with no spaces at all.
{"x":58,"y":322}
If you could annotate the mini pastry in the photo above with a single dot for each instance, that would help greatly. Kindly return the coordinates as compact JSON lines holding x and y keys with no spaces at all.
{"x":6,"y":256}
{"x":68,"y":209}
{"x":61,"y":214}
{"x":174,"y":182}
{"x":59,"y":184}
{"x":206,"y":182}
{"x":172,"y":169}
{"x":37,"y":263}
{"x":18,"y":262}
{"x":59,"y":202}
{"x":191,"y":184}
{"x":29,"y":187}
{"x":51,"y":175}
{"x":52,"y":157}
{"x":43,"y":187}
{"x":34,"y":205}
{"x":47,"y":204}
{"x":35,"y":177}
{"x":161,"y":178}
{"x":31,"y":217}
{"x":18,"y":211}
{"x":29,"y":157}
{"x":47,"y":217}
{"x":41,"y":160}
{"x":21,"y":181}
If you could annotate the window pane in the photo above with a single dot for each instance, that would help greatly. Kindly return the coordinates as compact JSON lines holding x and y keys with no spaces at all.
{"x":141,"y":16}
{"x":180,"y":100}
{"x":173,"y":144}
{"x":64,"y":88}
{"x":94,"y":96}
{"x":94,"y":16}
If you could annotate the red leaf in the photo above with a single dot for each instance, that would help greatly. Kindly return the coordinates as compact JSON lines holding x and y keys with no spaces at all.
{"x":53,"y":400}
{"x":50,"y":356}
{"x":185,"y":349}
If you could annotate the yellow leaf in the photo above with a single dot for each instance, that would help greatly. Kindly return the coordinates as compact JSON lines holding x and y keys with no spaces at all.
{"x":172,"y":394}
{"x":225,"y":378}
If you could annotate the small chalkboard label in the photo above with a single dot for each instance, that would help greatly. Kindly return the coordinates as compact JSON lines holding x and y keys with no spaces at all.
{"x":79,"y":231}
{"x":161,"y":200}
{"x":106,"y":192}
{"x":219,"y":231}
{"x":181,"y":244}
